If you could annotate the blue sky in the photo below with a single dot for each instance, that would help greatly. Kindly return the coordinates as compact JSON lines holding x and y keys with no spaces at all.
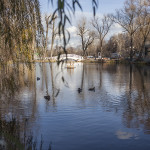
{"x":105,"y":7}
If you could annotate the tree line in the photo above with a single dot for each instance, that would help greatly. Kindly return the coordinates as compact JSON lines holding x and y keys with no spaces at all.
{"x":133,"y":18}
{"x":22,"y":34}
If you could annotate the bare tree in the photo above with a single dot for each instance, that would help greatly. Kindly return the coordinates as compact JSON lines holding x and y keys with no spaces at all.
{"x":87,"y":36}
{"x":92,"y":49}
{"x":144,"y":22}
{"x":47,"y":19}
{"x":127,"y":19}
{"x":102,"y":27}
{"x":50,"y":23}
{"x":54,"y":32}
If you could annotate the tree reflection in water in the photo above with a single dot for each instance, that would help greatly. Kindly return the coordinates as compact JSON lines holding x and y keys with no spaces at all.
{"x":137,"y":112}
{"x":18,"y":105}
{"x":121,"y":89}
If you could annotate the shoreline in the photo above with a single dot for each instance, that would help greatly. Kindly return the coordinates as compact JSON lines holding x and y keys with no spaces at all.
{"x":101,"y":61}
{"x":111,"y":61}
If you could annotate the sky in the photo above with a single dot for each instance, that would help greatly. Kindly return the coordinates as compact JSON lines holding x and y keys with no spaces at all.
{"x":104,"y":7}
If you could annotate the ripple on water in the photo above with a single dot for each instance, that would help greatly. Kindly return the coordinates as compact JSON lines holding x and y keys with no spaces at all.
{"x":115,"y":116}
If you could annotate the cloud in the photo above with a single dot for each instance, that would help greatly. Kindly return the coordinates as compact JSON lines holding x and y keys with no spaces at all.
{"x":125,"y":135}
{"x":115,"y":29}
{"x":74,"y":42}
{"x":72,"y":29}
{"x":73,"y":36}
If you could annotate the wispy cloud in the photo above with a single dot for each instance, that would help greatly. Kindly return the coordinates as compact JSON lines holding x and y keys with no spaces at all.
{"x":115,"y":29}
{"x":72,"y":30}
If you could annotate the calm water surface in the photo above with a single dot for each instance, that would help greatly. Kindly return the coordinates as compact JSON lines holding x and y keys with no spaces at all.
{"x":114,"y":116}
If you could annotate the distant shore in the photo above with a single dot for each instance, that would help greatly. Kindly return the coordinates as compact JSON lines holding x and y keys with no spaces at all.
{"x":113,"y":61}
{"x":123,"y":61}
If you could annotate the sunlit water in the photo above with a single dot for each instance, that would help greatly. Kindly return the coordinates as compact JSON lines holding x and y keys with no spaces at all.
{"x":114,"y":116}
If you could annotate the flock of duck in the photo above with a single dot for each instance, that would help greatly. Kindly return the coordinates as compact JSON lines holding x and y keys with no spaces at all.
{"x":90,"y":89}
{"x":47,"y":97}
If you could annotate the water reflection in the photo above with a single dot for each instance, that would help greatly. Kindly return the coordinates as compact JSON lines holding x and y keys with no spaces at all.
{"x":125,"y":135}
{"x":119,"y":108}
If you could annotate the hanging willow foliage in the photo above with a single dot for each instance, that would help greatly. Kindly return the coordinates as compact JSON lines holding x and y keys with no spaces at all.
{"x":20,"y":29}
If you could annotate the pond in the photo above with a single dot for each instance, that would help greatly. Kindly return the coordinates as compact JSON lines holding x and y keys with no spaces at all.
{"x":116,"y":115}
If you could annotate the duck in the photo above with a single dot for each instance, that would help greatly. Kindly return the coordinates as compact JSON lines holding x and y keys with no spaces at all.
{"x":79,"y":90}
{"x":38,"y":78}
{"x":92,"y":89}
{"x":47,"y":97}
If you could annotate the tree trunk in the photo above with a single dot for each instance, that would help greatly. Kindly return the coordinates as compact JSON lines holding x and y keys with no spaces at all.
{"x":141,"y":51}
{"x":45,"y":46}
{"x":101,"y":49}
{"x":53,"y":38}
{"x":131,"y":50}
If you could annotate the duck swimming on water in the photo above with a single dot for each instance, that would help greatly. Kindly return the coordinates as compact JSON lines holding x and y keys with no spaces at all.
{"x":79,"y":90}
{"x":92,"y":89}
{"x":38,"y":78}
{"x":47,"y":97}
